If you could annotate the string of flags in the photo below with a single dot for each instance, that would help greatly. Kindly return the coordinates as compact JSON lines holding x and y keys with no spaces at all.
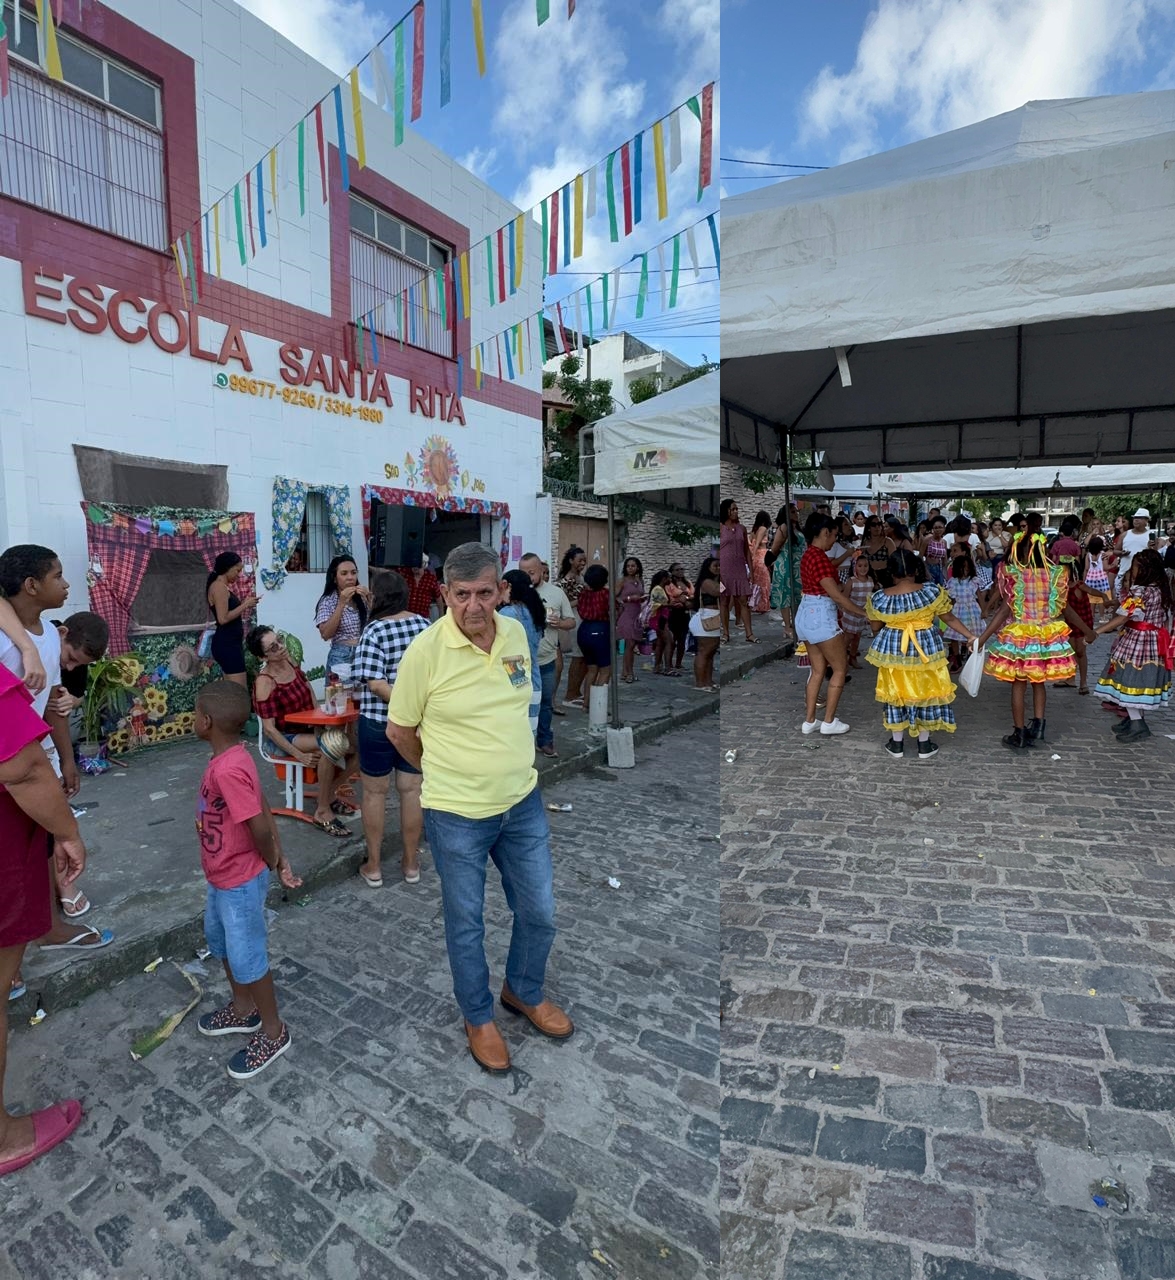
{"x":399,"y":89}
{"x":561,"y":235}
{"x":591,"y":308}
{"x":48,"y":51}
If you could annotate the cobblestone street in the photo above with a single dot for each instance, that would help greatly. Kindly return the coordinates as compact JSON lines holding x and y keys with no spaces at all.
{"x":376,"y":1148}
{"x":948,"y":995}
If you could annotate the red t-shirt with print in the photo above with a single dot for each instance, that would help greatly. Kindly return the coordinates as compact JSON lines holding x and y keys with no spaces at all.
{"x":230,"y":794}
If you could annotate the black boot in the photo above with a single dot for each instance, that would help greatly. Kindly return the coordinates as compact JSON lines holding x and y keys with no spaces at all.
{"x":1135,"y":729}
{"x":1035,"y":730}
{"x":1017,"y":739}
{"x":1122,"y":725}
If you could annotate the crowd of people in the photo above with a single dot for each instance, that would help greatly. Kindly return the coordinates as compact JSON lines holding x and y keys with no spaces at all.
{"x":918,"y":604}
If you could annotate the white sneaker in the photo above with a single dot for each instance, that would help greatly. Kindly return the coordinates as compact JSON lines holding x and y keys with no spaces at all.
{"x":810,"y":726}
{"x":834,"y":726}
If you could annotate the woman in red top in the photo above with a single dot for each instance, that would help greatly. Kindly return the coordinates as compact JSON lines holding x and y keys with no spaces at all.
{"x":280,"y":689}
{"x":818,"y":627}
{"x":593,"y":637}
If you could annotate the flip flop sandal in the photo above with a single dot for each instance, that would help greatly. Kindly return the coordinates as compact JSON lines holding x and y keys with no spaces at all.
{"x":1084,"y":689}
{"x":68,"y":903}
{"x":17,"y":990}
{"x":332,"y":828}
{"x":372,"y":882}
{"x":344,"y":810}
{"x":412,"y":877}
{"x":104,"y":936}
{"x":50,"y":1126}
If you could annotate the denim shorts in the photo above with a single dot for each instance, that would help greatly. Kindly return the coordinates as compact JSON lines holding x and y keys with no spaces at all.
{"x":234,"y":927}
{"x":816,"y":619}
{"x":377,"y":756}
{"x":595,"y":644}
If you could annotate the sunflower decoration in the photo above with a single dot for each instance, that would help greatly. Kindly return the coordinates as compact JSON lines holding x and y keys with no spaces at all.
{"x":127,"y":671}
{"x":156,"y":702}
{"x":439,"y":467}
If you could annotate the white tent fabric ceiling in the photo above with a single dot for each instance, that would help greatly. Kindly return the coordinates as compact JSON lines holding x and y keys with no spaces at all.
{"x":1005,"y":295}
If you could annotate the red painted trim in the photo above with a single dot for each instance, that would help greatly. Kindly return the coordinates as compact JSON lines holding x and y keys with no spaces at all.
{"x":63,"y":247}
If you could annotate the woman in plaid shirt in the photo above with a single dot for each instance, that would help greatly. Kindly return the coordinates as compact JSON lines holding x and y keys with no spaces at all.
{"x":391,"y":629}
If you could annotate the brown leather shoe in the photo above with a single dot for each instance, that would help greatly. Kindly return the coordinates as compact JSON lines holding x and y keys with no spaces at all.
{"x":488,"y":1048}
{"x":545,"y":1017}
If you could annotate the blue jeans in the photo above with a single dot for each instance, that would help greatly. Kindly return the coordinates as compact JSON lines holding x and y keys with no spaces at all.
{"x":518,"y":842}
{"x":546,"y":737}
{"x":234,"y":927}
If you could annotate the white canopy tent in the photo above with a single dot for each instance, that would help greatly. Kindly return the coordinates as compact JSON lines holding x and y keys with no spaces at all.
{"x":667,"y":442}
{"x":1001,"y":294}
{"x":1026,"y":480}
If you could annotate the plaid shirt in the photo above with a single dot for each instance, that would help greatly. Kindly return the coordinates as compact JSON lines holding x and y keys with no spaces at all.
{"x":422,"y":594}
{"x":294,"y":695}
{"x":377,"y":657}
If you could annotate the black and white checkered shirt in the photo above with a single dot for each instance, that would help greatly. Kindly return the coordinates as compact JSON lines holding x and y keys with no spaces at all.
{"x":377,"y":657}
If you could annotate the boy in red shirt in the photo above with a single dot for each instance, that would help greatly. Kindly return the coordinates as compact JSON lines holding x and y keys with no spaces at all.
{"x":238,"y":847}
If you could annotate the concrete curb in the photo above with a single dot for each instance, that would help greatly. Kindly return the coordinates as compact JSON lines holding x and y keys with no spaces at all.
{"x":105,"y":968}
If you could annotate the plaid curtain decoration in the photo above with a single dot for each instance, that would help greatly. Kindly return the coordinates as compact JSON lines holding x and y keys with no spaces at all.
{"x":120,"y":551}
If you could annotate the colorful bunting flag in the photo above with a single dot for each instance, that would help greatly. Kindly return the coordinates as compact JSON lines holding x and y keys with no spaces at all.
{"x":613,"y":229}
{"x":615,"y":298}
{"x":714,"y":241}
{"x":343,"y":165}
{"x":51,"y":51}
{"x":321,"y":148}
{"x":399,"y":85}
{"x":544,"y":10}
{"x":626,"y":186}
{"x":553,"y":254}
{"x":520,"y":236}
{"x":417,"y":60}
{"x":260,"y":208}
{"x":479,"y":37}
{"x":273,"y":178}
{"x":302,"y":168}
{"x":249,"y":214}
{"x":4,"y":53}
{"x":705,"y":159}
{"x":659,"y":167}
{"x":240,"y":223}
{"x":638,"y":175}
{"x":357,"y":118}
{"x":216,"y":234}
{"x":675,"y":141}
{"x":567,"y":228}
{"x":661,"y":272}
{"x":643,"y":288}
{"x":577,"y":249}
{"x":591,"y":193}
{"x":692,"y":245}
{"x":446,"y":50}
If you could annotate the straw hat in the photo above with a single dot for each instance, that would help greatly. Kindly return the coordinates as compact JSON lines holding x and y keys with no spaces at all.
{"x":184,"y":663}
{"x":1141,"y":514}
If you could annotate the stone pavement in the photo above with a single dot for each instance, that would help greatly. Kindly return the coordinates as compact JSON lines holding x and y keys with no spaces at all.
{"x":144,"y":873}
{"x":376,"y":1148}
{"x":948,"y":996}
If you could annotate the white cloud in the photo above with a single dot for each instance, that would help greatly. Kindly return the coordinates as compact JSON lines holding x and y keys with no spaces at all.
{"x":567,"y":78}
{"x":336,"y":32}
{"x":942,"y":64}
{"x":480,"y":161}
{"x":693,"y":27}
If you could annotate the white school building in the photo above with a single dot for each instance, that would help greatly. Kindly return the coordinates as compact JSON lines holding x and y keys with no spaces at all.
{"x":144,"y":425}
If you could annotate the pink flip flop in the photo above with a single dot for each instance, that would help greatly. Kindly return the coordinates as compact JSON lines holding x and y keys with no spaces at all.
{"x":50,"y":1126}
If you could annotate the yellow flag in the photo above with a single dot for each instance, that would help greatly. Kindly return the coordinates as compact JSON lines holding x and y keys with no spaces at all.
{"x":659,"y":160}
{"x":465,"y":286}
{"x":357,"y":113}
{"x":273,"y":177}
{"x":52,"y":56}
{"x":519,"y":243}
{"x":479,"y":37}
{"x":577,"y":244}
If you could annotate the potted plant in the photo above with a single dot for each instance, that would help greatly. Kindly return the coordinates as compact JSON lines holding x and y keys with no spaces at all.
{"x":107,"y":684}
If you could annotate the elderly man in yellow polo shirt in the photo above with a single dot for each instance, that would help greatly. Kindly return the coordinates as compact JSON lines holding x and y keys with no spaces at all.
{"x":460,"y":712}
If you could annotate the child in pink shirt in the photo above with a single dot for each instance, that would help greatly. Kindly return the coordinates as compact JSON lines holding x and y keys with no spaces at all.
{"x":238,"y":847}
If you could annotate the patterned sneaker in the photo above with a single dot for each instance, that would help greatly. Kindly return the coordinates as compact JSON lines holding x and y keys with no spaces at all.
{"x":227,"y":1022}
{"x":258,"y":1054}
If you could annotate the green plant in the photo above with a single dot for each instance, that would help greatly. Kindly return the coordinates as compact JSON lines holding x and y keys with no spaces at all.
{"x":107,"y":683}
{"x":685,"y":535}
{"x":315,"y":673}
{"x":641,"y":389}
{"x":762,"y":481}
{"x":588,"y":402}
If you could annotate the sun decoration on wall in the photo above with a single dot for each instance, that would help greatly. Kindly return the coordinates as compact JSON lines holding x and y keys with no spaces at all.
{"x":439,"y":468}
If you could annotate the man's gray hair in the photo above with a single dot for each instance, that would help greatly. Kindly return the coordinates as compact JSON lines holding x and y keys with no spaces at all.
{"x":469,"y":561}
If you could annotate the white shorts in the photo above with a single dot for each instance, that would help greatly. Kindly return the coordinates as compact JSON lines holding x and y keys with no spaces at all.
{"x":816,"y":620}
{"x":696,"y":629}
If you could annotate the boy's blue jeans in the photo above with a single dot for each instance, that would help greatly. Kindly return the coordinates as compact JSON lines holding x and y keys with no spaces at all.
{"x":546,"y":736}
{"x":518,"y":843}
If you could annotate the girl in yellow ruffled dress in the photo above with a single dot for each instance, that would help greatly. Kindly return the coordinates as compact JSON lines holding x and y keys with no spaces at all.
{"x":913,"y":683}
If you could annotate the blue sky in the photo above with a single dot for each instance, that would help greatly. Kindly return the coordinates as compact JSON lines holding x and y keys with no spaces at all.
{"x":554,"y":101}
{"x":845,"y":78}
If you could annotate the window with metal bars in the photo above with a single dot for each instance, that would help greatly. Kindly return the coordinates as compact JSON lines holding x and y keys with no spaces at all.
{"x":90,"y":149}
{"x":315,"y":547}
{"x":388,"y":256}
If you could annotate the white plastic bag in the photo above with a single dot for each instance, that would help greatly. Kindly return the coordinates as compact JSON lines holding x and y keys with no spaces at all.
{"x":972,"y":671}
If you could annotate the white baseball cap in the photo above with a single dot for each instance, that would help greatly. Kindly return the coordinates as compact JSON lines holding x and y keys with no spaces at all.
{"x":1141,"y":514}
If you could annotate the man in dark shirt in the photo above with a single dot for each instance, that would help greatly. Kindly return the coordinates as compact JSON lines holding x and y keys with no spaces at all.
{"x":84,"y":637}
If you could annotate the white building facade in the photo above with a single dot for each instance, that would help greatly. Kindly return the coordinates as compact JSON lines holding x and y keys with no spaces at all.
{"x":246,"y":413}
{"x":624,"y":359}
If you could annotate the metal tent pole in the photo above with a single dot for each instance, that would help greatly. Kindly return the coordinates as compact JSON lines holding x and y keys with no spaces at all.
{"x":614,"y":679}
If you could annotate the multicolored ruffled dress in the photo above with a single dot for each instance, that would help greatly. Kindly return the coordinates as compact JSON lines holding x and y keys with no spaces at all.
{"x":913,"y":683}
{"x":1034,"y":644}
{"x":1138,"y":670}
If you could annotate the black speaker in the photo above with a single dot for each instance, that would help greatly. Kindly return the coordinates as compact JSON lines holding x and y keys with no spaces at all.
{"x":397,"y":536}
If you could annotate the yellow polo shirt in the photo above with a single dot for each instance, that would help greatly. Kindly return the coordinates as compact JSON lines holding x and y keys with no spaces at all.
{"x":472,"y":708}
